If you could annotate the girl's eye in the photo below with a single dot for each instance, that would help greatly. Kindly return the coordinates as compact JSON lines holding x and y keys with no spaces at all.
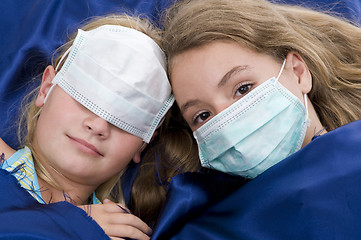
{"x":201,"y":118}
{"x":243,"y":89}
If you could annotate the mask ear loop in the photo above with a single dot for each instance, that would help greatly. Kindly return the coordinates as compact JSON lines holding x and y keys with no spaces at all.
{"x":56,"y":70}
{"x":307,"y":120}
{"x":47,"y":95}
{"x":37,"y":114}
{"x":279,"y":74}
{"x":62,"y":58}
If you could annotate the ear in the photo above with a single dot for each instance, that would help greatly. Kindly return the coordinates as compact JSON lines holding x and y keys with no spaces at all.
{"x":136,"y":157}
{"x":48,"y":75}
{"x":299,"y":68}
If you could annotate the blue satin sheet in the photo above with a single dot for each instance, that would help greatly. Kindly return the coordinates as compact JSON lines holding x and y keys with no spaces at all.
{"x":313,"y":194}
{"x":23,"y":217}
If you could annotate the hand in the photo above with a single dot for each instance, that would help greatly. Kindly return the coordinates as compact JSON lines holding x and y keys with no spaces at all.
{"x":117,"y":222}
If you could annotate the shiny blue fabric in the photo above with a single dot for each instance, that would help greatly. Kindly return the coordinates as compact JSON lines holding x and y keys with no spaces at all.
{"x":313,"y":194}
{"x":30,"y":31}
{"x":349,"y":9}
{"x":22,"y":217}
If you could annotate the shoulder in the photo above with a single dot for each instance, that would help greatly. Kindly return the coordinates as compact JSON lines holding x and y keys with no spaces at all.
{"x":6,"y":149}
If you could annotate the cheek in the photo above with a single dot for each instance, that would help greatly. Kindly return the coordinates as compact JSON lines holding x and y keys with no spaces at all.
{"x":46,"y":125}
{"x":54,"y":122}
{"x":291,"y":83}
{"x":124,"y":146}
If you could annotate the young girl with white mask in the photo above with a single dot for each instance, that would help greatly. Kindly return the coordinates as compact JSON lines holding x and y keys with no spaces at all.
{"x":97,"y":108}
{"x":271,"y":94}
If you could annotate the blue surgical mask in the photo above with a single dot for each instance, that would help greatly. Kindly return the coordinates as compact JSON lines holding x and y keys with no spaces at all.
{"x":255,"y":133}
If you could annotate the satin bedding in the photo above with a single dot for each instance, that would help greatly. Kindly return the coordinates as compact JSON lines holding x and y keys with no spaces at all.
{"x":314,"y":194}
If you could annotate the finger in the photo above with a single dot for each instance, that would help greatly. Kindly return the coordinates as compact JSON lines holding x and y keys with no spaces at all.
{"x":126,"y":231}
{"x":130,"y":220}
{"x":117,"y":207}
{"x":116,"y":238}
{"x":124,"y":209}
{"x":107,"y":201}
{"x":112,"y":207}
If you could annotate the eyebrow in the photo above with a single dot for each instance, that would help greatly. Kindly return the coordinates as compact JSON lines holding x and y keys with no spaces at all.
{"x":230,"y":73}
{"x":221,"y":83}
{"x":189,"y":104}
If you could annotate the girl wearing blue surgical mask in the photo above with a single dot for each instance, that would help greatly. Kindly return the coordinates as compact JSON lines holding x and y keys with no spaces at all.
{"x":95,"y":111}
{"x":253,"y":112}
{"x":257,"y":81}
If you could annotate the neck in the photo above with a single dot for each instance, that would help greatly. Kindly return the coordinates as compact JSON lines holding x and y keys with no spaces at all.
{"x":77,"y":195}
{"x":315,"y":126}
{"x":63,"y":188}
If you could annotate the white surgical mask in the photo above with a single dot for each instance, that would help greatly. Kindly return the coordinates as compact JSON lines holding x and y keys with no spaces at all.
{"x":119,"y":74}
{"x":255,"y":133}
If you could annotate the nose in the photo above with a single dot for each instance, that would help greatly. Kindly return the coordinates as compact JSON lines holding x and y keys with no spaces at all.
{"x":222,"y":104}
{"x":97,"y":126}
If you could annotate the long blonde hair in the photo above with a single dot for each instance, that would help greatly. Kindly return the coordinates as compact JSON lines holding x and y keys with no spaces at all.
{"x":30,"y":113}
{"x":172,"y":152}
{"x":330,"y":46}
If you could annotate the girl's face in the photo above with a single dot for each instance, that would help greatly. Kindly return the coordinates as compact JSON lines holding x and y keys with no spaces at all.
{"x":76,"y":144}
{"x":208,"y":79}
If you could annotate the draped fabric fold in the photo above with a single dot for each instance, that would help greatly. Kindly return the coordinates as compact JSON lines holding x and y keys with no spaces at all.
{"x":313,"y":194}
{"x":190,"y":195}
{"x":22,"y":217}
{"x":295,"y":198}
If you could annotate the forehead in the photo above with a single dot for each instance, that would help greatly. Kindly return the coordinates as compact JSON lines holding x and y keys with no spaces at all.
{"x":221,"y":54}
{"x":213,"y":51}
{"x":207,"y":64}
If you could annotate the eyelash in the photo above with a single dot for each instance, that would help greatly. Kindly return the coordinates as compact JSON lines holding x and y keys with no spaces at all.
{"x":244,"y":84}
{"x":198,"y":115}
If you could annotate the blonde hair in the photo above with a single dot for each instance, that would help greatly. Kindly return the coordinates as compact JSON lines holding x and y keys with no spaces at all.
{"x":330,"y":46}
{"x":171,"y":153}
{"x":31,"y":112}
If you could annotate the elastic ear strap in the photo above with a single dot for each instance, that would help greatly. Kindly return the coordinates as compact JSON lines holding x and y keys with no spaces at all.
{"x":279,"y":74}
{"x":48,"y":93}
{"x":304,"y":95}
{"x":37,"y":114}
{"x":144,"y":143}
{"x":306,"y":108}
{"x":62,"y":58}
{"x":56,"y":69}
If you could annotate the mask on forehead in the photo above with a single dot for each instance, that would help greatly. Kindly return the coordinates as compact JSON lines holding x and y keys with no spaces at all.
{"x":255,"y":133}
{"x":119,"y":74}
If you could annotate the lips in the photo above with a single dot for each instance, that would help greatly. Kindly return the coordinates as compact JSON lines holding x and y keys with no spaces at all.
{"x":85,"y":147}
